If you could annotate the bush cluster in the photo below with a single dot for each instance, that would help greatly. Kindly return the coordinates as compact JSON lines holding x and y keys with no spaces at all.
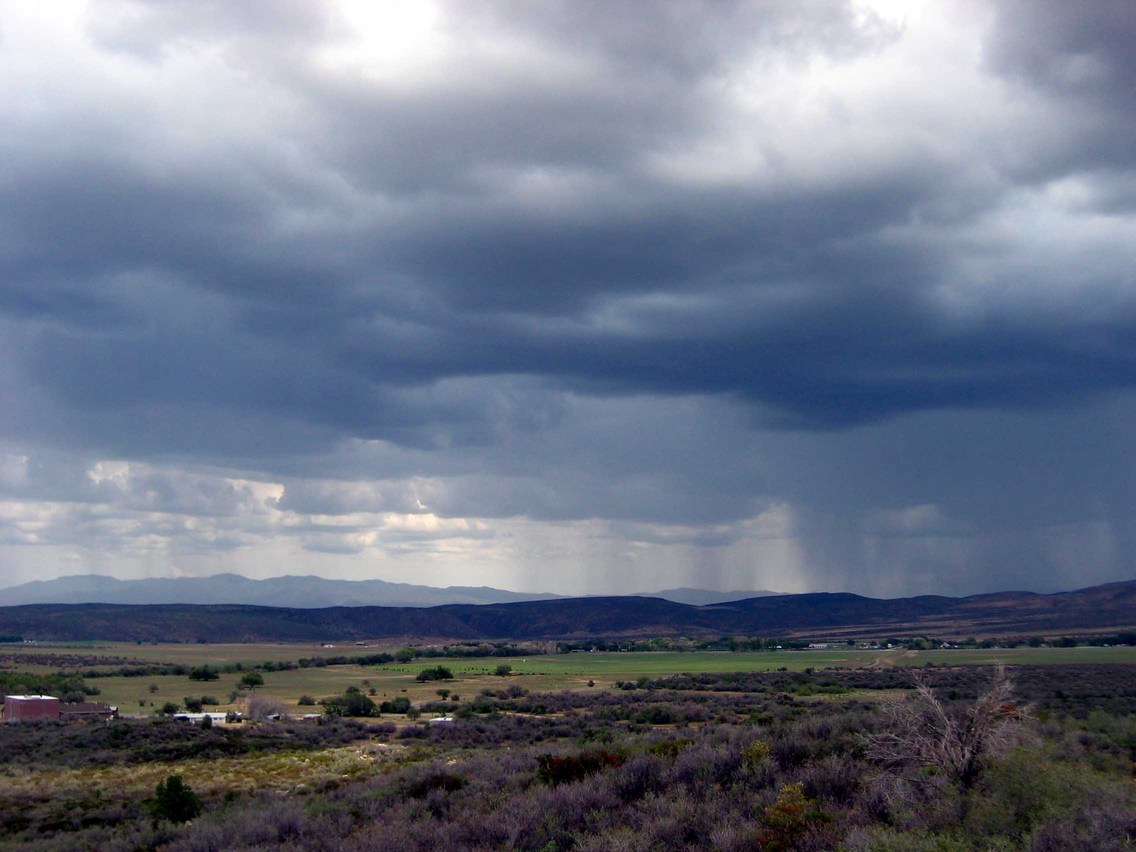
{"x":666,"y":766}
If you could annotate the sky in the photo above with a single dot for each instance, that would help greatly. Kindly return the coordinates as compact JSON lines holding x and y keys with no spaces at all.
{"x":585,"y":297}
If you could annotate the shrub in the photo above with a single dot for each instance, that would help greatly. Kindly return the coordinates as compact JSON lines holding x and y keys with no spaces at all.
{"x":921,"y":731}
{"x":434,"y":779}
{"x":199,"y":673}
{"x":756,"y":754}
{"x":434,"y":673}
{"x":643,"y":774}
{"x":789,"y":818}
{"x":560,"y":769}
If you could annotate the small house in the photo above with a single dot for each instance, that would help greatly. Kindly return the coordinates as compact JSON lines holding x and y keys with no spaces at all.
{"x":199,"y":718}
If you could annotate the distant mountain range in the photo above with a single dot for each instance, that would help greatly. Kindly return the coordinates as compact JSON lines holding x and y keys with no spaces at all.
{"x":705,"y":597}
{"x":302,"y":592}
{"x":1110,"y":607}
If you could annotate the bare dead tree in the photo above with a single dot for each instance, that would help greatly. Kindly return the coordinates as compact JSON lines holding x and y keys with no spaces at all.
{"x":257,"y":708}
{"x":922,"y":732}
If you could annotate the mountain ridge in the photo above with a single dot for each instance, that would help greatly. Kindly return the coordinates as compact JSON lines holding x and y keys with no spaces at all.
{"x":835,"y":615}
{"x":299,"y":591}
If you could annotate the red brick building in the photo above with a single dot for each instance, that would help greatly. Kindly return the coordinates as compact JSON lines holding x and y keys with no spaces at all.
{"x":30,"y":708}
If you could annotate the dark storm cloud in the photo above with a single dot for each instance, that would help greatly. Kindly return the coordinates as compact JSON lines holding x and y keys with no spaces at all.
{"x":1079,"y":50}
{"x":1081,"y":55}
{"x":440,"y":287}
{"x":582,"y":261}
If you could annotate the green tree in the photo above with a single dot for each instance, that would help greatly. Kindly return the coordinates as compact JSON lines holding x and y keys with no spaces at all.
{"x":251,"y":680}
{"x":405,"y":654}
{"x":434,"y":673}
{"x":503,"y":670}
{"x":174,"y":800}
{"x":202,"y":673}
{"x":350,"y":704}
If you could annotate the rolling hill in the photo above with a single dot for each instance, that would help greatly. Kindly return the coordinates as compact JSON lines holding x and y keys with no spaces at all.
{"x":301,"y":592}
{"x":1109,"y":607}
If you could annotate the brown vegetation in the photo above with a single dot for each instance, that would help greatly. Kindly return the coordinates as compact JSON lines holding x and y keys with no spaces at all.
{"x":921,"y":732}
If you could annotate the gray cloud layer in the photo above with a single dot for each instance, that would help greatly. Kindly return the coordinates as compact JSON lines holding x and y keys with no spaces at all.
{"x":574,"y":296}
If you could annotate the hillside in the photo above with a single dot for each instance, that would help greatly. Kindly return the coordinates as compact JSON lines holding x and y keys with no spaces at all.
{"x":301,"y":592}
{"x":1108,"y":607}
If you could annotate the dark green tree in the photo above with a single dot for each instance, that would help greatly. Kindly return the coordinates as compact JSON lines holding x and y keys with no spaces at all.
{"x":175,"y":801}
{"x":350,"y":704}
{"x":396,"y":705}
{"x":252,"y":680}
{"x":434,"y":673}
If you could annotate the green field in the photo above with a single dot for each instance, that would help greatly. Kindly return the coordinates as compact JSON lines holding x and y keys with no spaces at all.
{"x":600,"y":662}
{"x":133,"y":695}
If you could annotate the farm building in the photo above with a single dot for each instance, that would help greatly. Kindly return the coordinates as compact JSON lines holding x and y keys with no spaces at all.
{"x":84,"y":711}
{"x":35,"y":708}
{"x":199,"y":718}
{"x":30,"y":708}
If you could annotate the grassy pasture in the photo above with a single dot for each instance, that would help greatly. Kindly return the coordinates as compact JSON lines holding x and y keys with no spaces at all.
{"x":538,"y":673}
{"x":602,"y":664}
{"x":611,"y":666}
{"x":286,"y":686}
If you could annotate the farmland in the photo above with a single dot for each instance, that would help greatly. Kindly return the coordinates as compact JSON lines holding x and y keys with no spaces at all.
{"x":581,"y":751}
{"x":140,"y":695}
